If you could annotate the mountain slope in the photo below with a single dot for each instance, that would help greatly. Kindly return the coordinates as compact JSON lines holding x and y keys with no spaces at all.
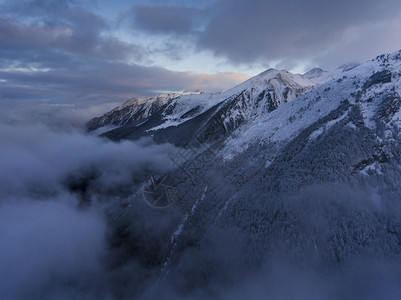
{"x":316,"y":183}
{"x":309,"y":178}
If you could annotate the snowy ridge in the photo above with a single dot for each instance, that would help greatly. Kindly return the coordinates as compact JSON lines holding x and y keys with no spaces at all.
{"x":264,"y":92}
{"x":132,"y":111}
{"x":368,"y":86}
{"x":260,"y":94}
{"x":319,"y":76}
{"x":262,"y":109}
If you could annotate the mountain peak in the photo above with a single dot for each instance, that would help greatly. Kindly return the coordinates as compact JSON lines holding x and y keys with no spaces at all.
{"x":348,"y":67}
{"x":246,"y":102}
{"x":314,"y":73}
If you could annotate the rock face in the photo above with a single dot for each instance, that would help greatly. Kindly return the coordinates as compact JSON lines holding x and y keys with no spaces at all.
{"x":305,"y":174}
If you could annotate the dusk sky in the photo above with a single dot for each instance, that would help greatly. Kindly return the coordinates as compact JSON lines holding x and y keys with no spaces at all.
{"x":98,"y":51}
{"x":287,"y":187}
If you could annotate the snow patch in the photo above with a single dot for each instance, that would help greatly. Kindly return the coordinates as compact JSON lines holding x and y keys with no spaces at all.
{"x":375,"y":167}
{"x":351,"y":125}
{"x":326,"y":127}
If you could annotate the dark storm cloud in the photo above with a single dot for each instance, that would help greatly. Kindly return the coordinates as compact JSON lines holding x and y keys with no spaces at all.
{"x":290,"y":30}
{"x":248,"y":30}
{"x":167,"y":19}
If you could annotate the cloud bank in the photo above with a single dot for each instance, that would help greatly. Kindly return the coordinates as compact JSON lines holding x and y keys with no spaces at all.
{"x":59,"y":188}
{"x":47,"y":246}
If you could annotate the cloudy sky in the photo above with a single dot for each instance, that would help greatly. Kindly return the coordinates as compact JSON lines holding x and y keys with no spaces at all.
{"x":104,"y":52}
{"x":65,"y":61}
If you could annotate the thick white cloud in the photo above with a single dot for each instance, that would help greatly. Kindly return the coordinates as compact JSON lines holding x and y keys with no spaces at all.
{"x":45,"y":245}
{"x":57,"y":187}
{"x":38,"y":160}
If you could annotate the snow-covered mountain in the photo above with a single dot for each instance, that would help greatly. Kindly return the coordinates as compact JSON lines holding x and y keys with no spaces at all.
{"x":174,"y":117}
{"x":301,"y":169}
{"x":132,"y":111}
{"x":167,"y":117}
